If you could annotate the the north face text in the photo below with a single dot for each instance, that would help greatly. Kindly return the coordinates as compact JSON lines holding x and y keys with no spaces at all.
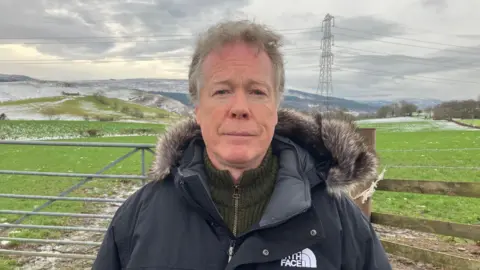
{"x":302,"y":259}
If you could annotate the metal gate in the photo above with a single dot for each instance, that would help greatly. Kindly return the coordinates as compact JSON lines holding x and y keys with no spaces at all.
{"x":63,"y":196}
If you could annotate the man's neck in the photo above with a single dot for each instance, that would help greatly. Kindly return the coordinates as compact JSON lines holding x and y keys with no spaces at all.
{"x":236,"y":170}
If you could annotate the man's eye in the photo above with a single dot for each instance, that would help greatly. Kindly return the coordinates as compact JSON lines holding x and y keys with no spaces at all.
{"x":258,"y":92}
{"x":221,"y":92}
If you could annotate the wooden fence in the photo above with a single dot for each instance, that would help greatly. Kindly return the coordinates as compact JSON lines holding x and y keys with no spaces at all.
{"x":465,"y":231}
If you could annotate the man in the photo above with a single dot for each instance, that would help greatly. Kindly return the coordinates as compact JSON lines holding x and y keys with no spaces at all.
{"x":245,"y":185}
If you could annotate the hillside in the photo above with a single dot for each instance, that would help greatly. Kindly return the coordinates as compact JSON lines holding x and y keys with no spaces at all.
{"x":29,"y":98}
{"x":167,"y":94}
{"x":293,"y":99}
{"x":89,"y":107}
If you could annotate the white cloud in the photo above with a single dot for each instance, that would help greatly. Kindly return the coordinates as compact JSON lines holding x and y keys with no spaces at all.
{"x":383,"y":49}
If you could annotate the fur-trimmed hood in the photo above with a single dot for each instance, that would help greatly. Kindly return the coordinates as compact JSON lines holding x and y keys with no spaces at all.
{"x":354,"y":163}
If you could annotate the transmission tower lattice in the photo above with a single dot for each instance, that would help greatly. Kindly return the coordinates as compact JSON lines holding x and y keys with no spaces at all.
{"x":326,"y":61}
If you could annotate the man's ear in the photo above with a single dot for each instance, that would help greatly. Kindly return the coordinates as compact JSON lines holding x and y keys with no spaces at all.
{"x":196,"y":115}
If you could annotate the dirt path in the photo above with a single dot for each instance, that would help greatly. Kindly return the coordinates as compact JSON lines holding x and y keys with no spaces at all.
{"x":447,"y":245}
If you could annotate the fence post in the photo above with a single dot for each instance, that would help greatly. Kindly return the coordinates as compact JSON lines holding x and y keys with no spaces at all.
{"x":369,"y":136}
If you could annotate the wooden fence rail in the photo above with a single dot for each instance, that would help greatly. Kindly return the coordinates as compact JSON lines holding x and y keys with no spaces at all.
{"x":463,"y":189}
{"x":450,"y":188}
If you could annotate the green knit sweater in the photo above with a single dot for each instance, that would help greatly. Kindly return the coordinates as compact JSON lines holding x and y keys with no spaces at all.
{"x":242,"y":205}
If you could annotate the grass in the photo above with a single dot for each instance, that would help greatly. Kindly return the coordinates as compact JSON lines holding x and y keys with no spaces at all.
{"x":31,"y":101}
{"x":17,"y":129}
{"x":104,"y":105}
{"x":60,"y":159}
{"x":474,"y":122}
{"x":393,"y":140}
{"x":93,"y":107}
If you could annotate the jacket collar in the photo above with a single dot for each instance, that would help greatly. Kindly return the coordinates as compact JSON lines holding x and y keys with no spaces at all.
{"x":322,"y":136}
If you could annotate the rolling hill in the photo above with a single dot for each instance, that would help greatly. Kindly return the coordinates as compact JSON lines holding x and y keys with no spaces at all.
{"x":88,"y":107}
{"x":166,"y":94}
{"x":293,"y":99}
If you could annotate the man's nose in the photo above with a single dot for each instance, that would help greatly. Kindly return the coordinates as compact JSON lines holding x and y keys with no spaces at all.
{"x":240,"y":108}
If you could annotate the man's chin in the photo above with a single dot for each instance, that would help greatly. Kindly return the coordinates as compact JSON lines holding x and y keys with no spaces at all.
{"x":239,"y":141}
{"x":237,"y":154}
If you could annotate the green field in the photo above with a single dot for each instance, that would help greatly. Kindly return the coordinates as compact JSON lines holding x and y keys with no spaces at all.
{"x":60,"y":159}
{"x":399,"y":146}
{"x":458,"y":165}
{"x":30,"y":101}
{"x":428,"y":150}
{"x":473,"y":122}
{"x":17,"y":129}
{"x":90,"y":107}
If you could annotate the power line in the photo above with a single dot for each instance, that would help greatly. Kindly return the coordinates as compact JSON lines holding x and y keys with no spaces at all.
{"x":129,"y":38}
{"x":421,"y":61}
{"x":313,"y":67}
{"x":383,"y":73}
{"x":373,"y":71}
{"x":189,"y":35}
{"x":405,"y":44}
{"x":132,"y":59}
{"x":186,"y":37}
{"x":294,"y":50}
{"x":403,"y":38}
{"x":423,"y":30}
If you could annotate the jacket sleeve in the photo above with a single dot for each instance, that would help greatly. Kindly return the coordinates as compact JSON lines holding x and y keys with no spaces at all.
{"x":108,"y":255}
{"x":375,"y":257}
{"x":113,"y":254}
{"x":370,"y":254}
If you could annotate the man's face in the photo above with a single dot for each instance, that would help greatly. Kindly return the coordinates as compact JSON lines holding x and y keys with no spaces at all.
{"x":237,"y":109}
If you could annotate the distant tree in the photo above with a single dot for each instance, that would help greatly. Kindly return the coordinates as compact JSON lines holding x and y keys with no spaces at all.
{"x":464,"y":109}
{"x":406,"y":108}
{"x":384,"y":111}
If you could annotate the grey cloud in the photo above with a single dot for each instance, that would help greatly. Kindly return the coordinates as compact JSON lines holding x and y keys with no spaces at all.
{"x":86,"y":31}
{"x":470,"y":36}
{"x":394,"y":76}
{"x":438,"y":5}
{"x":403,"y":65}
{"x":30,"y":21}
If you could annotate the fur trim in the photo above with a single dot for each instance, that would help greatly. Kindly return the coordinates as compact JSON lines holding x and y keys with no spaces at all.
{"x":354,"y":163}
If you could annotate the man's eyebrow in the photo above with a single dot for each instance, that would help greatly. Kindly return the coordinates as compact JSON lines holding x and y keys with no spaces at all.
{"x":249,"y":82}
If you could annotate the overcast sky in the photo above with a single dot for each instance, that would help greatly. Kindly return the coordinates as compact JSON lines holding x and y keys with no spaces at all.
{"x":383,"y":48}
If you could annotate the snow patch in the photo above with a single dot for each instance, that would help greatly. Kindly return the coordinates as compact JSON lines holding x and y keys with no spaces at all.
{"x":31,"y":111}
{"x":392,"y":120}
{"x":122,"y":191}
{"x":413,"y":124}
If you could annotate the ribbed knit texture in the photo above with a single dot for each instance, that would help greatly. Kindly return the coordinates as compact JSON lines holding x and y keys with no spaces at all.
{"x":255,"y":188}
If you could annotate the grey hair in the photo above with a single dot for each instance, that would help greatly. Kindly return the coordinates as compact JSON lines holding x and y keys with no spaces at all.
{"x":246,"y":31}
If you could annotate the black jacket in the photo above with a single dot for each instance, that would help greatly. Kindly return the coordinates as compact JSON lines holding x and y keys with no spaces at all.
{"x":310,"y":222}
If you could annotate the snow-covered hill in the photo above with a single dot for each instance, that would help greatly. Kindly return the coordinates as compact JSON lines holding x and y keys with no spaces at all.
{"x":171,"y":95}
{"x":14,"y":88}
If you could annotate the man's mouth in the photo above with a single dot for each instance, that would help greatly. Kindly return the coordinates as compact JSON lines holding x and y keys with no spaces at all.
{"x":240,"y":134}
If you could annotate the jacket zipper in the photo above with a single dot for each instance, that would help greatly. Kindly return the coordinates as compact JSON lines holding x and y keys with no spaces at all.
{"x":236,"y":199}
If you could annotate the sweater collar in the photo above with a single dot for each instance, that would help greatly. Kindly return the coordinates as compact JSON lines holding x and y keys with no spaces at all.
{"x":254,"y":184}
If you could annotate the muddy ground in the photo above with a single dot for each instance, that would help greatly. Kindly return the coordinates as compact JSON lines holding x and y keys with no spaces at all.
{"x":413,"y":238}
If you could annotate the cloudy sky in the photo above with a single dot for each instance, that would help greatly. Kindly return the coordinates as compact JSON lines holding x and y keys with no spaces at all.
{"x":383,"y":48}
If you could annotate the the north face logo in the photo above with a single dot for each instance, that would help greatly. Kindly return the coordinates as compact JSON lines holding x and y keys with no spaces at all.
{"x":302,"y":259}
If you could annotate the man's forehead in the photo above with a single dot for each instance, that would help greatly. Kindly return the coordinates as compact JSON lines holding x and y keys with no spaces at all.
{"x":235,"y":50}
